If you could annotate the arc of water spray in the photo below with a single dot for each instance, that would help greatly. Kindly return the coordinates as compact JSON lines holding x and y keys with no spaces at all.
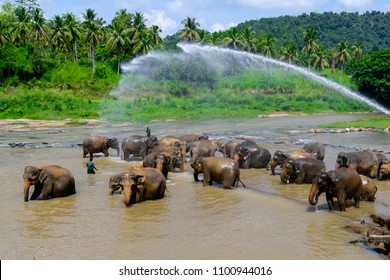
{"x":201,"y":49}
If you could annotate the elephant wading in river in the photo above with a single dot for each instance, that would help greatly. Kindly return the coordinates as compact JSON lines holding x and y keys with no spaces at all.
{"x":249,"y":155}
{"x":50,"y":181}
{"x":363,"y":162}
{"x":206,"y":148}
{"x":279,"y":157}
{"x":315,"y":148}
{"x":139,"y":185}
{"x":343,"y":183}
{"x":217,"y":169}
{"x":138,"y":146}
{"x":99,"y":144}
{"x":300,"y":170}
{"x":369,"y":188}
{"x":159,"y":161}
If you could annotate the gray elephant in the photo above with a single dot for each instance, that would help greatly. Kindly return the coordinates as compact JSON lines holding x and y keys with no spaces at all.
{"x":217,"y":169}
{"x":315,"y":148}
{"x":384,"y":172}
{"x":364,"y":162}
{"x":279,"y":157}
{"x":159,"y":161}
{"x":139,"y":185}
{"x":174,"y":153}
{"x":138,"y":146}
{"x":369,"y":188}
{"x":190,"y":138}
{"x":301,"y":170}
{"x":230,"y":147}
{"x":343,"y":183}
{"x":51,"y":181}
{"x":99,"y":144}
{"x":206,"y":148}
{"x":249,"y":155}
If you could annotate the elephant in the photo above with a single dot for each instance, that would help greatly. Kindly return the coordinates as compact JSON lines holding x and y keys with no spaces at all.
{"x":384,"y":172}
{"x":279,"y":157}
{"x":190,"y":138}
{"x":300,"y":170}
{"x":230,"y":147}
{"x":140,"y":185}
{"x":159,"y":161}
{"x":217,"y":169}
{"x":175,"y":142}
{"x":249,"y":155}
{"x":51,"y":181}
{"x":175,"y":153}
{"x":342,"y":183}
{"x":99,"y":144}
{"x":364,"y":162}
{"x":315,"y":148}
{"x":369,"y":188}
{"x":206,"y":148}
{"x":137,"y":145}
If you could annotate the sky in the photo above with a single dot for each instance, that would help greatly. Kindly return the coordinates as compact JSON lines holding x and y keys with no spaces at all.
{"x":212,"y":15}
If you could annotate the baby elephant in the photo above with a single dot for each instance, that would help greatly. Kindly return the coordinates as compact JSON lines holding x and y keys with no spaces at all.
{"x":369,"y":188}
{"x":217,"y":169}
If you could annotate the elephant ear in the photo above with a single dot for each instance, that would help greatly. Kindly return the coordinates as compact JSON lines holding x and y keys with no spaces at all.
{"x":42,"y":175}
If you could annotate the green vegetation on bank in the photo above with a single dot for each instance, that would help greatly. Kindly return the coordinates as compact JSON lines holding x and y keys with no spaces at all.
{"x":374,"y":123}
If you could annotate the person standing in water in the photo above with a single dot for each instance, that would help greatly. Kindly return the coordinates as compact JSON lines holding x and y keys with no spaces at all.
{"x":91,"y":166}
{"x":148,"y":131}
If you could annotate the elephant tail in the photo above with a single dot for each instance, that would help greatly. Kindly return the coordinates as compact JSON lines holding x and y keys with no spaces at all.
{"x":241,"y":182}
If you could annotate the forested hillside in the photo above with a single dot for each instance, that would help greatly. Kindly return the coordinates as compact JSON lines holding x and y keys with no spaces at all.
{"x":371,"y":29}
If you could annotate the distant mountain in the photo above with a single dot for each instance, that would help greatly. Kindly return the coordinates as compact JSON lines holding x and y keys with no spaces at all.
{"x":371,"y":29}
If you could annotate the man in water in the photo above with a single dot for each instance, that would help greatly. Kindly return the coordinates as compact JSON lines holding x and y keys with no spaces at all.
{"x":148,"y":131}
{"x":91,"y":166}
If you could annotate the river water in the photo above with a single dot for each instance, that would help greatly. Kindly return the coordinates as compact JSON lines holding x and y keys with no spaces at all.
{"x":266,"y":220}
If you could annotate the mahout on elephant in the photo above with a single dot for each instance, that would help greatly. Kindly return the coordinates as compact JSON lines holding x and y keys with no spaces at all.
{"x":160,"y":161}
{"x":50,"y":181}
{"x":364,"y":162}
{"x":138,"y":146}
{"x":301,"y":170}
{"x":217,"y":169}
{"x":99,"y":144}
{"x":342,"y":183}
{"x":249,"y":155}
{"x":315,"y":148}
{"x":230,"y":147}
{"x":138,"y":185}
{"x":369,"y":188}
{"x":280,"y":156}
{"x":206,"y":148}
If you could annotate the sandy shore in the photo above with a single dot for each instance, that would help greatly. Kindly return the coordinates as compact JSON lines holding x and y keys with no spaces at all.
{"x":28,"y":125}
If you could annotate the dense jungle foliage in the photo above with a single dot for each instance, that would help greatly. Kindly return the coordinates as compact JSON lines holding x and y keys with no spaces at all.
{"x":66,"y":67}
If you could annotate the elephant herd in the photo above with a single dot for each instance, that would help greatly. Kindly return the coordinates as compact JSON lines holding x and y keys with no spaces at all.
{"x":352,"y":179}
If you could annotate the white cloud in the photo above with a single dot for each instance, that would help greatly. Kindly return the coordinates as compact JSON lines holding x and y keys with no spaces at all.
{"x":176,"y":6}
{"x":216,"y":27}
{"x":355,"y":3}
{"x":160,"y":18}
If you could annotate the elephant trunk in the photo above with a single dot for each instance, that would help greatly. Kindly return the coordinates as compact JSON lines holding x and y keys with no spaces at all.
{"x":26,"y":188}
{"x":159,"y":165}
{"x":313,"y":194}
{"x":127,"y":193}
{"x":272,"y":165}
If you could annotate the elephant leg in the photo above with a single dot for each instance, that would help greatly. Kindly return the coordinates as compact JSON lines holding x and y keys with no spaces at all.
{"x":341,"y":197}
{"x":300,"y":178}
{"x":329,"y":200}
{"x":206,"y":178}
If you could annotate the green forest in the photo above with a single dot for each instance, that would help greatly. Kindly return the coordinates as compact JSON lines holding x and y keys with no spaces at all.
{"x":66,"y":67}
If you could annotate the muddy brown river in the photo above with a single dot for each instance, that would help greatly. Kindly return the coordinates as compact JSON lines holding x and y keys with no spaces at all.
{"x":267,"y":220}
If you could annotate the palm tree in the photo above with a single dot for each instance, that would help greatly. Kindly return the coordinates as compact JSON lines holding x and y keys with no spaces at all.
{"x":343,"y":55}
{"x":234,"y":39}
{"x":311,"y":46}
{"x":190,"y":33}
{"x":123,"y":18}
{"x":21,"y":28}
{"x":154,"y":31}
{"x":93,"y":34}
{"x":58,"y":36}
{"x":250,"y":40}
{"x":73,"y":30}
{"x":289,"y":53}
{"x":268,"y":48}
{"x":143,"y":43}
{"x":118,"y":38}
{"x":4,"y":37}
{"x":138,"y":25}
{"x":333,"y":58}
{"x":38,"y":26}
{"x":357,"y":49}
{"x":319,"y":59}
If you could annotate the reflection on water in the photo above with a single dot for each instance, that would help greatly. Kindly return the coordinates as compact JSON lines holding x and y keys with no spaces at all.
{"x":266,"y":220}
